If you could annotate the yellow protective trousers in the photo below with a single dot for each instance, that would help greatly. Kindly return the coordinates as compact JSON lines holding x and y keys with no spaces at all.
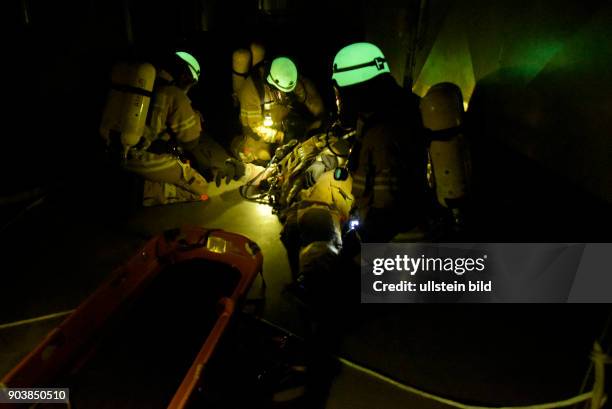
{"x":167,"y":179}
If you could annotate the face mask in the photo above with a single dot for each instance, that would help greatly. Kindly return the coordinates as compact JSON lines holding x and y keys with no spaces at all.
{"x":277,"y":97}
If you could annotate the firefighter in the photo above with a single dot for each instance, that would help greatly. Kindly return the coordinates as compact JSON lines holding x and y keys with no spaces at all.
{"x":173,"y":139}
{"x":174,"y":122}
{"x":276,"y":105}
{"x":388,"y":162}
{"x":131,"y":138}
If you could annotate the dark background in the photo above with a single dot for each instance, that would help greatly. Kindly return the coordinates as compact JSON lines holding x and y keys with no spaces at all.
{"x":536,"y":75}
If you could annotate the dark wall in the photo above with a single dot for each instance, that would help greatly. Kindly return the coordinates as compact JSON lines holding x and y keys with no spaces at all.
{"x":393,"y":26}
{"x":538,"y":76}
{"x":60,"y":56}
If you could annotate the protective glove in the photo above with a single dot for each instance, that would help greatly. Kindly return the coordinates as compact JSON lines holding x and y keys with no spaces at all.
{"x":232,"y":169}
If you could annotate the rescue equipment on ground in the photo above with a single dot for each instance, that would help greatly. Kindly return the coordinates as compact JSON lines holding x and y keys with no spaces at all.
{"x":179,"y":291}
{"x":125,"y":113}
{"x":283,"y":184}
{"x":442,"y":113}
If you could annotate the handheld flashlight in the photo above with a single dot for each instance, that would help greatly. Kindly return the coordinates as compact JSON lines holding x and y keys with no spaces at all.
{"x":268,"y":122}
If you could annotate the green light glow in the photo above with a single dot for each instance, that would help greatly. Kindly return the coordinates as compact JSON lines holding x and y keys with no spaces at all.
{"x":450,"y":58}
{"x":449,"y":61}
{"x":536,"y":55}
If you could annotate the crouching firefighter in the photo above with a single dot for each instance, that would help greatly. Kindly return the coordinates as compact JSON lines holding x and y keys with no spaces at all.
{"x":152,"y":129}
{"x":276,"y":106}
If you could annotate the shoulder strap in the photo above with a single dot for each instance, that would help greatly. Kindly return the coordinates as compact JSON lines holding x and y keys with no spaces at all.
{"x":258,"y":81}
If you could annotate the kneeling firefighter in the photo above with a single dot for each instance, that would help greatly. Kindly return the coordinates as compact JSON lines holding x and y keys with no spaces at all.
{"x":153,"y":137}
{"x":276,"y":106}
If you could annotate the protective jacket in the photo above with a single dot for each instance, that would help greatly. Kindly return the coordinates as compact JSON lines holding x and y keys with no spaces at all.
{"x":258,"y":99}
{"x":389,"y":175}
{"x":171,"y":117}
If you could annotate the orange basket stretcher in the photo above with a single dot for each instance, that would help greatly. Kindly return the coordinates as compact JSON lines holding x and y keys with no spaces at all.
{"x":144,"y":337}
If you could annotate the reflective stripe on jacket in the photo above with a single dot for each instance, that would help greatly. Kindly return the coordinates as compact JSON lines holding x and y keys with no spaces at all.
{"x":172,"y":113}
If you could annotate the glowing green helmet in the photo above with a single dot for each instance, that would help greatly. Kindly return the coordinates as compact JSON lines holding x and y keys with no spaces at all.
{"x":192,"y":63}
{"x":358,"y":62}
{"x":283,"y":74}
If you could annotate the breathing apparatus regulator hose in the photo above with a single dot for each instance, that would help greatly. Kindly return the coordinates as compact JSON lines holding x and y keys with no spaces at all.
{"x":280,"y":153}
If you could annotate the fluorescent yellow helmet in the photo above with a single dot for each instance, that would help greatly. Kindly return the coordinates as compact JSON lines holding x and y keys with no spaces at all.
{"x":283,"y":74}
{"x":192,"y":63}
{"x":357,"y":63}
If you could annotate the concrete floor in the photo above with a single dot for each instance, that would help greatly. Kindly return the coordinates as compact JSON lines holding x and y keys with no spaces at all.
{"x":58,"y":253}
{"x":255,"y":221}
{"x":67,"y":252}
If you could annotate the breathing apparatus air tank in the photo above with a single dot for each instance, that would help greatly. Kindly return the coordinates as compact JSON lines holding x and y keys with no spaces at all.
{"x":241,"y":64}
{"x":442,"y":113}
{"x":258,"y":53}
{"x":127,"y":104}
